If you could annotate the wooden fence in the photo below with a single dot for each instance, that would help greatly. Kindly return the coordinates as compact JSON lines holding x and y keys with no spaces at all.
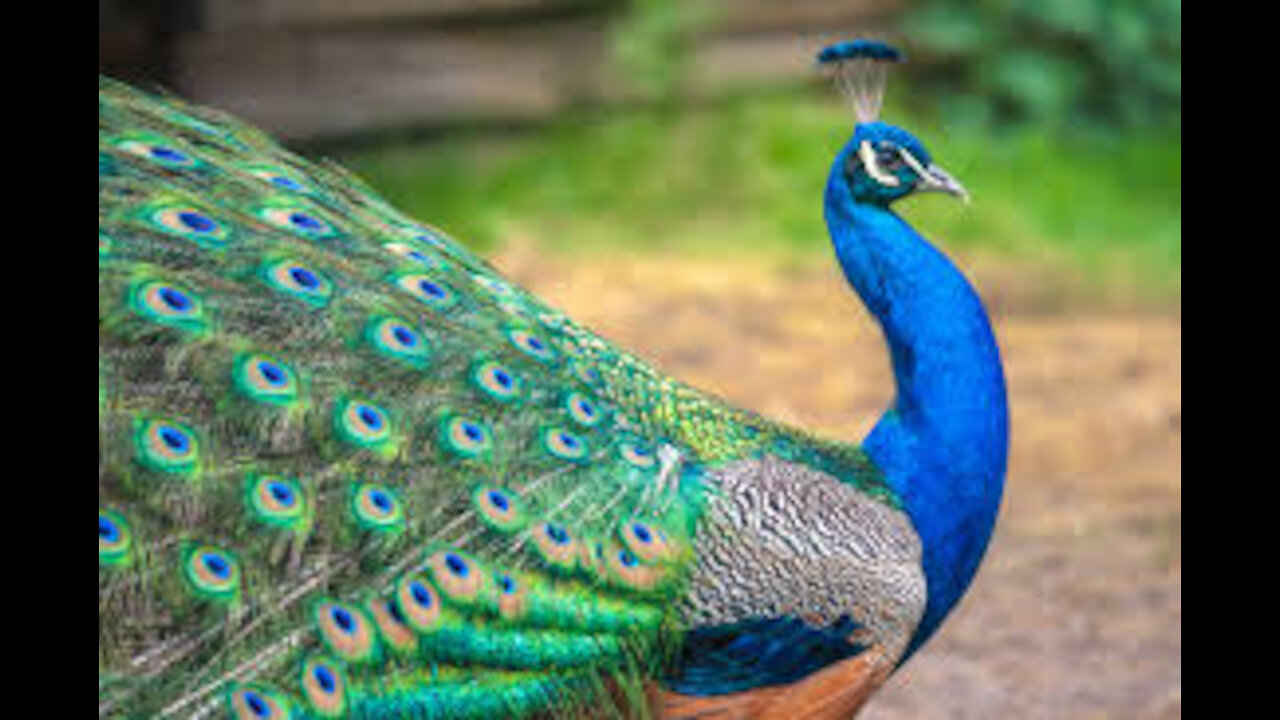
{"x":313,"y":68}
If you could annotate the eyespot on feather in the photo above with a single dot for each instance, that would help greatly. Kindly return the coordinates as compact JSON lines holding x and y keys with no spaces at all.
{"x":419,"y":603}
{"x":324,"y":687}
{"x":638,"y":455}
{"x":532,"y":345}
{"x":466,"y":438}
{"x":497,"y":382}
{"x":300,"y":281}
{"x":363,"y":425}
{"x":500,"y":509}
{"x":266,"y":380}
{"x":298,"y":220}
{"x":158,"y":150}
{"x":212,"y":574}
{"x":166,"y":446}
{"x":191,"y":223}
{"x":558,"y":547}
{"x":396,"y":339}
{"x":648,"y":542}
{"x":377,"y":509}
{"x":565,"y":445}
{"x":256,"y":702}
{"x":169,"y":305}
{"x":458,"y":577}
{"x":346,"y":631}
{"x":276,"y":502}
{"x":433,"y":293}
{"x":627,"y":571}
{"x":115,"y":540}
{"x":583,"y":410}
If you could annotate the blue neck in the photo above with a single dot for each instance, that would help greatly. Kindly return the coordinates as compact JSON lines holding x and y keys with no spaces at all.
{"x":943,"y":446}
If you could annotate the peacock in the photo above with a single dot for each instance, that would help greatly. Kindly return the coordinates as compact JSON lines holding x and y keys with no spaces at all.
{"x":347,"y":469}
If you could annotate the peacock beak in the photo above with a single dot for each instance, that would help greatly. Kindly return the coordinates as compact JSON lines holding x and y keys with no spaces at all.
{"x":935,"y":179}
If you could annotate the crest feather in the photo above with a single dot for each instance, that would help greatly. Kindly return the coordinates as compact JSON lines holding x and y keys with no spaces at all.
{"x":861,"y":69}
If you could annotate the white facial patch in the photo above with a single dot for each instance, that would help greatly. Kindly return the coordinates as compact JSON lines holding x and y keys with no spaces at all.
{"x":867,"y":154}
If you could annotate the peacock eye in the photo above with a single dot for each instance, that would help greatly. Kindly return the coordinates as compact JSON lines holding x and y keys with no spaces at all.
{"x":888,"y":158}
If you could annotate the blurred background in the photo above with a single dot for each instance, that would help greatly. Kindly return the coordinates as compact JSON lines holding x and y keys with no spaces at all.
{"x":656,"y":167}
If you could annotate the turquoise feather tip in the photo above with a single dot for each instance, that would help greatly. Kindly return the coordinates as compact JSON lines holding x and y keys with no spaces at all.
{"x":860,"y":49}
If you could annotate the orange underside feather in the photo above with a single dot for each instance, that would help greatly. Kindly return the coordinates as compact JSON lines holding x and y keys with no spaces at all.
{"x":837,"y":693}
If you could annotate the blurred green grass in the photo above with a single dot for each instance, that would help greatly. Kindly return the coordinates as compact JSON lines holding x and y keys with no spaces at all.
{"x":746,"y":174}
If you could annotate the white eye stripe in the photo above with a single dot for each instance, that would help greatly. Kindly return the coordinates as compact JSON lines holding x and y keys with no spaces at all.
{"x":869,"y":162}
{"x":915,"y":164}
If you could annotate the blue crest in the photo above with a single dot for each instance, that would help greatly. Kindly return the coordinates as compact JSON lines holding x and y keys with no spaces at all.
{"x":861,"y":69}
{"x":860,"y":50}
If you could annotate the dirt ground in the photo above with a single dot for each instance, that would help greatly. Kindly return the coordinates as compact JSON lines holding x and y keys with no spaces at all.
{"x":1077,"y":613}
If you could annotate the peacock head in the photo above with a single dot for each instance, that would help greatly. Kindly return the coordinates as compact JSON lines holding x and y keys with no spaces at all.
{"x":882,"y":163}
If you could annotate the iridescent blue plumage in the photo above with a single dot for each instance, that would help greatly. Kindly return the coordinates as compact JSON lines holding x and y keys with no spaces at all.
{"x":861,"y":49}
{"x":944,"y":444}
{"x":760,"y":654}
